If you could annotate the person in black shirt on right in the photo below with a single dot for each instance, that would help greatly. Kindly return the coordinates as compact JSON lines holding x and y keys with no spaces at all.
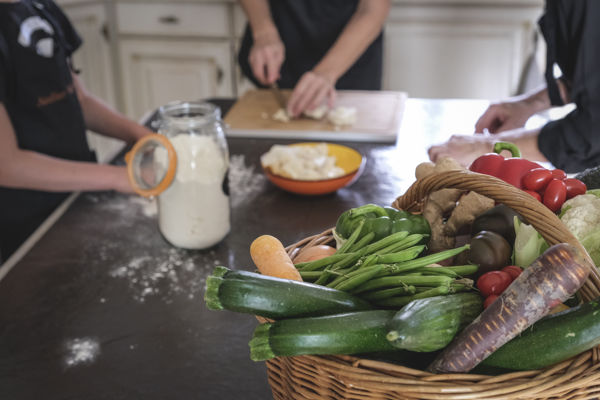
{"x":571,"y":29}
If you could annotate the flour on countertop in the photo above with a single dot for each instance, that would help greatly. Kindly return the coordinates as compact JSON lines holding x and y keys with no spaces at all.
{"x":175,"y":272}
{"x":245,"y":182}
{"x":147,"y":206}
{"x":130,"y":203}
{"x":81,"y":351}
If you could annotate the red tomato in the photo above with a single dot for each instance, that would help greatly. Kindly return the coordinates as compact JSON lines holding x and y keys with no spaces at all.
{"x":493,"y":282}
{"x":574,"y":187}
{"x":513,"y":271}
{"x":555,"y":194}
{"x":537,"y":179}
{"x":537,"y":196}
{"x":489,"y":300}
{"x":559,"y":174}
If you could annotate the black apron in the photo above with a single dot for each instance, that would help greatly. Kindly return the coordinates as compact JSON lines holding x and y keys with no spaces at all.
{"x":36,"y":88}
{"x":308,"y":29}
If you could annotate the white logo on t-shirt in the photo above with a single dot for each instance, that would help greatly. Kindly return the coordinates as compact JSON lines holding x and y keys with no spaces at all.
{"x":44,"y":47}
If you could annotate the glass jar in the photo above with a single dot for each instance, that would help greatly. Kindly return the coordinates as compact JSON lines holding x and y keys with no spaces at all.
{"x":194,"y":210}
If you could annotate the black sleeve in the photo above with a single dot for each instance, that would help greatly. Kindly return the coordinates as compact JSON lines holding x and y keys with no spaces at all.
{"x":70,"y":38}
{"x":3,"y":71}
{"x":573,"y":143}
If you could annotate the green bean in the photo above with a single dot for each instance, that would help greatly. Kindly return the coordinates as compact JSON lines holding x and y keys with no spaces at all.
{"x":430,"y":259}
{"x":386,"y":241}
{"x":351,"y":274}
{"x":458,"y":287}
{"x":348,"y":243}
{"x":325,"y":274}
{"x":405,"y":243}
{"x":400,"y":256}
{"x":397,"y":280}
{"x":365,"y":240}
{"x":350,"y":259}
{"x":311,"y":276}
{"x":455,"y":271}
{"x":371,"y":259}
{"x":386,"y":293}
{"x":401,"y":301}
{"x":342,"y":275}
{"x":359,"y":279}
{"x":323,"y":262}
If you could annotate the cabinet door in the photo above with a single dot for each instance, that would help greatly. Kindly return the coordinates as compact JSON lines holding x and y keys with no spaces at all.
{"x":457,"y":52}
{"x":156,"y":72}
{"x":93,"y":58}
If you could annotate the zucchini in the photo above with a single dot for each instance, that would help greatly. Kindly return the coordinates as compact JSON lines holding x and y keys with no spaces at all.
{"x":551,"y":340}
{"x":430,"y":324}
{"x":347,"y":333}
{"x":271,"y":297}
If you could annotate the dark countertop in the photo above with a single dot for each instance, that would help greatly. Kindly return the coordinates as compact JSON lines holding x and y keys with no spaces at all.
{"x":102,"y":307}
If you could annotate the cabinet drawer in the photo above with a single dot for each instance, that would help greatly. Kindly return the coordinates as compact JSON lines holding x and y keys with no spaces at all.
{"x":184,"y":19}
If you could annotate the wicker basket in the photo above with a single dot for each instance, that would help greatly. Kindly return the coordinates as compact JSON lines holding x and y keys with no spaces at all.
{"x":346,"y":377}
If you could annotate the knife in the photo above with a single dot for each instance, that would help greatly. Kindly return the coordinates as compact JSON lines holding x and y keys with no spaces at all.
{"x":281,"y":100}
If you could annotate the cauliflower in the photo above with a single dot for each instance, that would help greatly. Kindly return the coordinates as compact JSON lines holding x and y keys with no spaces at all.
{"x":581,"y":215}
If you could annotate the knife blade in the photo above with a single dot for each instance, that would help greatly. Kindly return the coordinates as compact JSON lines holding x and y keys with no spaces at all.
{"x":281,"y":100}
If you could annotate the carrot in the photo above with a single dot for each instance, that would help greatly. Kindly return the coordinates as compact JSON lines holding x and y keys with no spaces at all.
{"x":271,"y":259}
{"x":551,"y":279}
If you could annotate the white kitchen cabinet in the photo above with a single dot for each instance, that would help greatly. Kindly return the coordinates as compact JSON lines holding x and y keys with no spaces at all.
{"x":94,"y":59}
{"x":174,"y":51}
{"x":155,"y":72}
{"x":475,"y":50}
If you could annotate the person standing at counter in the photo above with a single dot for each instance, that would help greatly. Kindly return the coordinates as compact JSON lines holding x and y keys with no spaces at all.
{"x":314,"y":47}
{"x":572,"y":34}
{"x":44,"y":114}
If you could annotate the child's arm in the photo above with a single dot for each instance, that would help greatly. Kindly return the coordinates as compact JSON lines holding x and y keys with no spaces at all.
{"x":31,"y":170}
{"x":102,"y":119}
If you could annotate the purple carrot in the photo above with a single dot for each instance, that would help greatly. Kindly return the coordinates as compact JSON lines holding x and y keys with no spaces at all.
{"x":551,"y":279}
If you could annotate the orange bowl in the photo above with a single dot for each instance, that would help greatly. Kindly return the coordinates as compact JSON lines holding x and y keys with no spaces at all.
{"x":350,"y":160}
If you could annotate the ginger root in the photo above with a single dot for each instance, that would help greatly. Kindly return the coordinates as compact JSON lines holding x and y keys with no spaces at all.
{"x":469,"y":206}
{"x":449,"y":212}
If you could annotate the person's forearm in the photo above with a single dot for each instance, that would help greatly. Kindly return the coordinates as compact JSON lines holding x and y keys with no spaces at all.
{"x":259,"y":17}
{"x":102,"y":119}
{"x":364,"y":26}
{"x":537,"y":99}
{"x":25,"y":169}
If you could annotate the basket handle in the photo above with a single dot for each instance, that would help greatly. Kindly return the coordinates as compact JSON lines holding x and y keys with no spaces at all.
{"x":538,"y":215}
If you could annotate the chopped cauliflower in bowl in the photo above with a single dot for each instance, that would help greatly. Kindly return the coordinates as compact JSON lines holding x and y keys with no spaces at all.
{"x":312,"y":168}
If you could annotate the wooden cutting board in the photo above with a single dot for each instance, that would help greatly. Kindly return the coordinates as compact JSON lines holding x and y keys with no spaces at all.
{"x":379,"y":114}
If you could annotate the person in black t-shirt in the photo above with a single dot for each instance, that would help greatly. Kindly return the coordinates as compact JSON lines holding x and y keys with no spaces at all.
{"x":44,"y":113}
{"x":314,"y":47}
{"x":572,"y":34}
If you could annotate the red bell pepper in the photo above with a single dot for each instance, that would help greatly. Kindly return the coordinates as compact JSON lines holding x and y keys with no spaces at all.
{"x":511,"y":170}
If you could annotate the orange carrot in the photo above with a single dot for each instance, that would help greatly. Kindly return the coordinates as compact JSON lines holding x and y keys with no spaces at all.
{"x":271,"y":259}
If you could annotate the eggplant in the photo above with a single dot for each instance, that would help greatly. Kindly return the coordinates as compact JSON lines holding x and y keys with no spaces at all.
{"x":498,"y":219}
{"x":489,"y":251}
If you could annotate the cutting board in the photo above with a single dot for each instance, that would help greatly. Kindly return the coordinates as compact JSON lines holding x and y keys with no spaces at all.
{"x":379,"y":114}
